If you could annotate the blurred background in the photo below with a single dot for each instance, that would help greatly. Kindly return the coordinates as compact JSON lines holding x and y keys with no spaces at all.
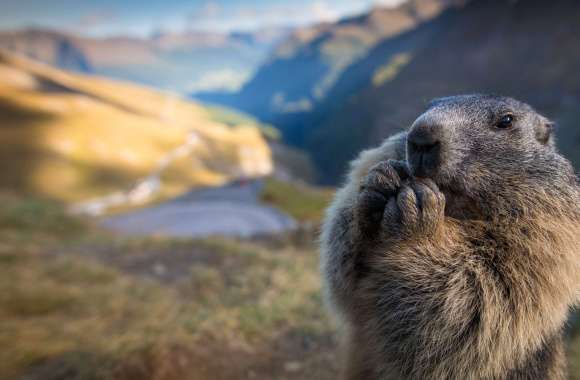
{"x":166,"y":165}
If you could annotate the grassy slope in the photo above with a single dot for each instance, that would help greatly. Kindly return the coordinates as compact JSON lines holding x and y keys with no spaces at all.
{"x":302,"y":202}
{"x":76,"y":303}
{"x":233,"y":118}
{"x":73,"y":137}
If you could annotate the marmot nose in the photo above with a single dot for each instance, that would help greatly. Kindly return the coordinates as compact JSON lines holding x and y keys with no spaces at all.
{"x":424,"y":149}
{"x":424,"y":138}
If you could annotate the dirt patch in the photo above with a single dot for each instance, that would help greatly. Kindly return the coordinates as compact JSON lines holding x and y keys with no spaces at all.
{"x":156,"y":263}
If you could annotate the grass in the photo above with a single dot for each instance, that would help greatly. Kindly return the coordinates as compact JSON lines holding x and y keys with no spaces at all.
{"x":574,"y":345}
{"x":389,"y":71}
{"x":302,"y":202}
{"x":78,"y":303}
{"x":36,"y":216}
{"x":49,"y":312}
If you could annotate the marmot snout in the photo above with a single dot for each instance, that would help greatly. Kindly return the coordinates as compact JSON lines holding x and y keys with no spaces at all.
{"x":427,"y":146}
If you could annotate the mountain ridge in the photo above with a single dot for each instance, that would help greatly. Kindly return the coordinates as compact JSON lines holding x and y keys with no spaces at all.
{"x":178,"y":61}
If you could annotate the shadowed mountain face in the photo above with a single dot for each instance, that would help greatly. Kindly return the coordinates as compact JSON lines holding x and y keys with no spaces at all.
{"x":181,"y":62}
{"x":525,"y":49}
{"x":301,"y":74}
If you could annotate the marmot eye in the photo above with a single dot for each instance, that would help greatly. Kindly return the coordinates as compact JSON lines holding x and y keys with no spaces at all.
{"x":505,"y":122}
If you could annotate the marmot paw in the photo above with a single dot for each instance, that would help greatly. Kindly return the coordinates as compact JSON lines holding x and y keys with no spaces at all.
{"x":419,"y":208}
{"x":381,"y":184}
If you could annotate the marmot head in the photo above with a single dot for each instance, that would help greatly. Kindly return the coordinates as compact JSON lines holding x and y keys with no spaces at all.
{"x":485,"y":146}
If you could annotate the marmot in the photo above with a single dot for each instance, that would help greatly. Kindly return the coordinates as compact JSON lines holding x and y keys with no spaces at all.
{"x":453,"y":250}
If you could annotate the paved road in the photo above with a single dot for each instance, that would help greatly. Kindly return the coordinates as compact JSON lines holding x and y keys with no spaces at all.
{"x":232,"y":210}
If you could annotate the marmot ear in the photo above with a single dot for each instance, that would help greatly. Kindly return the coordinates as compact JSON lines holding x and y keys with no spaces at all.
{"x":544,"y":132}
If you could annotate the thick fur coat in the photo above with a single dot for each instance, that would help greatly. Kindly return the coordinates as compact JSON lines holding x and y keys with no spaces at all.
{"x":460,"y":264}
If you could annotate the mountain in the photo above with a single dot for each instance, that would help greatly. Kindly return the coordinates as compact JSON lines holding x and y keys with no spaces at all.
{"x":47,"y":46}
{"x":526,"y":49}
{"x":303,"y":70}
{"x":78,"y":138}
{"x":180,"y":62}
{"x":335,"y":89}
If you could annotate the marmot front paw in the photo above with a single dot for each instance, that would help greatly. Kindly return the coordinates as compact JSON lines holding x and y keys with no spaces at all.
{"x":381,"y":184}
{"x":392,"y":203}
{"x":418,"y":208}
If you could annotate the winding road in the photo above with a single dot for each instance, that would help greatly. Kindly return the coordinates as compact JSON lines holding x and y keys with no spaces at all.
{"x":231,"y":210}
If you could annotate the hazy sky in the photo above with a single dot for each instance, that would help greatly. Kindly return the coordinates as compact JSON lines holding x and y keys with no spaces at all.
{"x":142,"y":17}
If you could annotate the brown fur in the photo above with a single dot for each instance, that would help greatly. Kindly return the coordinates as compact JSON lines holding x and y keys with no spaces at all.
{"x":466,"y":275}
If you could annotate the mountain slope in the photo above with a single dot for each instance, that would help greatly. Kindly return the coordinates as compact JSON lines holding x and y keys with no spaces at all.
{"x":181,"y":62}
{"x":523,"y":49}
{"x":47,"y":46}
{"x":303,"y":70}
{"x":71,"y":137}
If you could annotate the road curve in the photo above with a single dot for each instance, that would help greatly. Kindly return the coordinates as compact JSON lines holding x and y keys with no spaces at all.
{"x":231,"y":210}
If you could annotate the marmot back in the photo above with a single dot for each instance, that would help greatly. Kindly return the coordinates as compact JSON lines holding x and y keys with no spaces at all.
{"x":458,"y":259}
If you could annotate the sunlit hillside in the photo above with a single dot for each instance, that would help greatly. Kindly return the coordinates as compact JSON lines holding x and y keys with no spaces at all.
{"x":75,"y":138}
